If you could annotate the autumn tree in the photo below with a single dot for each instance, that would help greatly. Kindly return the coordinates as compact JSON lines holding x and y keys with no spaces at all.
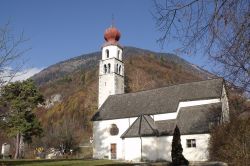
{"x":218,"y":29}
{"x":19,"y":99}
{"x":234,"y":148}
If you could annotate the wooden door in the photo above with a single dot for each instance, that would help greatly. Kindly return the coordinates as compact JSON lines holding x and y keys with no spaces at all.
{"x":113,"y":151}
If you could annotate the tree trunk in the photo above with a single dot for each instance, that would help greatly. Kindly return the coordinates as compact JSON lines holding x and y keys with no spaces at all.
{"x":17,"y":145}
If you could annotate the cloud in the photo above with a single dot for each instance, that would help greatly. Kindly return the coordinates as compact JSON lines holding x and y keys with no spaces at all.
{"x":21,"y":75}
{"x":25,"y":74}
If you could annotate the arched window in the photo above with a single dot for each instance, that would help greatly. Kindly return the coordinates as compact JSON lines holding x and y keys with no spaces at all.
{"x":107,"y":53}
{"x":109,"y":68}
{"x":105,"y":68}
{"x":120,"y":69}
{"x":116,"y":69}
{"x":114,"y":129}
{"x":118,"y":54}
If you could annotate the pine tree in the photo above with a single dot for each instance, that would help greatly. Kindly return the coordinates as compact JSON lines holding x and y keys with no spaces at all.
{"x":19,"y":99}
{"x":177,"y":157}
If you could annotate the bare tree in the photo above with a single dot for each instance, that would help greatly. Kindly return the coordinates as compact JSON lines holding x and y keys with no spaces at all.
{"x":10,"y":52}
{"x":219,"y":29}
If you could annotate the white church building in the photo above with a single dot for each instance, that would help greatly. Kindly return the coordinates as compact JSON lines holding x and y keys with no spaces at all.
{"x":139,"y":126}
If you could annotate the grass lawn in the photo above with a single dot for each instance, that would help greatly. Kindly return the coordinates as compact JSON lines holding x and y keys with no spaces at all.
{"x":65,"y":162}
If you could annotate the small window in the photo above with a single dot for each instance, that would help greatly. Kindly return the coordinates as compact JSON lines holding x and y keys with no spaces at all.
{"x":191,"y":143}
{"x":109,"y":68}
{"x":120,"y":68}
{"x":107,"y":53}
{"x":118,"y":54}
{"x":116,"y":68}
{"x":105,"y":69}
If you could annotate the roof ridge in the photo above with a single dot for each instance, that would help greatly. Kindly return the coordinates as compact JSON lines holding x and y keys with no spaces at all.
{"x":130,"y":127}
{"x":154,"y":130}
{"x":139,"y":131}
{"x":220,"y":78}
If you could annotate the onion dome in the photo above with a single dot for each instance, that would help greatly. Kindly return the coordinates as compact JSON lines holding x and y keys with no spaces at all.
{"x":112,"y":35}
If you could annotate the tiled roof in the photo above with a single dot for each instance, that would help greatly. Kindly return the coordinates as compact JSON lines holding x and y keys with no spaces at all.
{"x":190,"y":120}
{"x":143,"y":126}
{"x":157,"y":101}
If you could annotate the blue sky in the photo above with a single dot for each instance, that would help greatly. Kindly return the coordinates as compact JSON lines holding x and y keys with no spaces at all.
{"x":62,"y":29}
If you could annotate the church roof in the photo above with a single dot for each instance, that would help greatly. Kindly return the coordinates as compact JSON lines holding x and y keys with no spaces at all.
{"x":198,"y":119}
{"x":143,"y":126}
{"x":157,"y":101}
{"x":190,"y":120}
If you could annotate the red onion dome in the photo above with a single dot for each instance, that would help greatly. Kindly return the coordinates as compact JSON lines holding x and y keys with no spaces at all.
{"x":112,"y":34}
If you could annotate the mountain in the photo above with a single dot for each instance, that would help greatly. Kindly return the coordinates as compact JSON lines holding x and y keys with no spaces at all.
{"x":71,"y":88}
{"x":91,"y":60}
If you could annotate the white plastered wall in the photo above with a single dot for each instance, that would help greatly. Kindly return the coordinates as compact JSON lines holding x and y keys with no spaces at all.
{"x":112,"y":81}
{"x":159,"y":148}
{"x":106,"y":87}
{"x":102,"y":138}
{"x":113,"y":52}
{"x":225,"y":105}
{"x":132,"y":149}
{"x":109,"y":84}
{"x":200,"y":152}
{"x":113,"y":65}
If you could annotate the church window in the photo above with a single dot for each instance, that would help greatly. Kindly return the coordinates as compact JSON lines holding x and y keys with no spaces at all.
{"x":107,"y":53}
{"x":109,"y":68}
{"x":120,"y":68}
{"x":118,"y":54}
{"x":105,"y":68}
{"x":191,"y":143}
{"x":114,"y":129}
{"x":116,"y":68}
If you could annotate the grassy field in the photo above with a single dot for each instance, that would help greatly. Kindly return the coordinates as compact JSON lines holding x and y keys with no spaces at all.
{"x":66,"y":162}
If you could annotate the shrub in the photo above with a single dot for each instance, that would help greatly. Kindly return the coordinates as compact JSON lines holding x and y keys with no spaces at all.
{"x":231,"y":142}
{"x":176,"y":152}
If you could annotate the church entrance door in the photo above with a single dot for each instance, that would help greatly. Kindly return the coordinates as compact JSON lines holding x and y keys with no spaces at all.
{"x":113,"y":151}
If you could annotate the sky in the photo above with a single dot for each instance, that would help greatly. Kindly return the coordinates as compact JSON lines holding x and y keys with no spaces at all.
{"x":61,"y":29}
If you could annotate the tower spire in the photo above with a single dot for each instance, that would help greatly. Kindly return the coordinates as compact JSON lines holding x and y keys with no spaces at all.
{"x":113,"y":20}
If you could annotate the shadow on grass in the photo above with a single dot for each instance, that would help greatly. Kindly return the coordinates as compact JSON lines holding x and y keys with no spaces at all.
{"x":22,"y":162}
{"x":139,"y":164}
{"x":71,"y":162}
{"x":118,"y":164}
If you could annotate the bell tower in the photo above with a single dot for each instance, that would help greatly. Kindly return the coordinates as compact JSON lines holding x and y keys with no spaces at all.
{"x":111,"y":67}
